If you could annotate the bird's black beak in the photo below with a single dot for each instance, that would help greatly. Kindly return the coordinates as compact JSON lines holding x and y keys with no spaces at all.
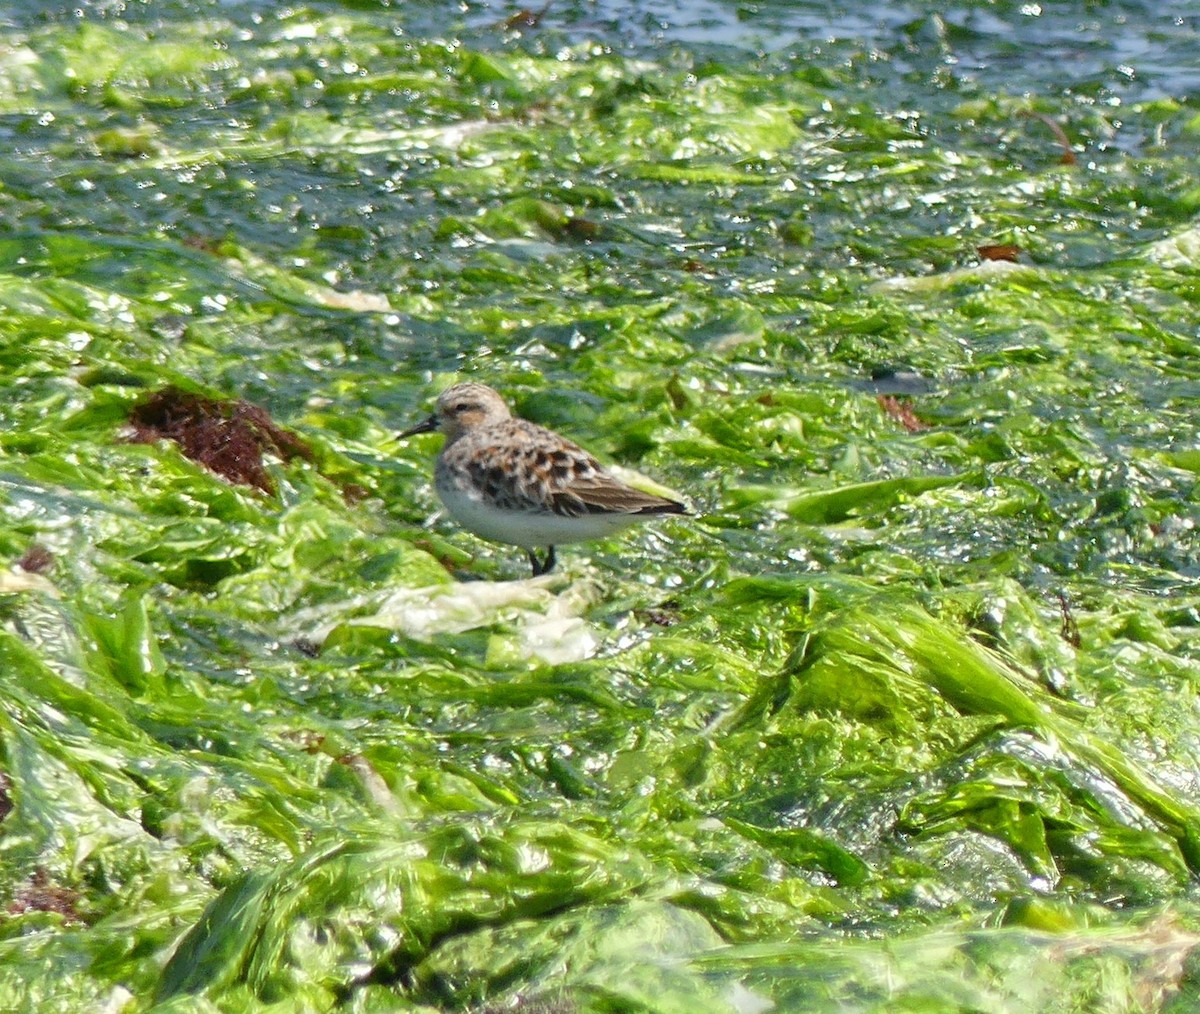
{"x":424,"y":426}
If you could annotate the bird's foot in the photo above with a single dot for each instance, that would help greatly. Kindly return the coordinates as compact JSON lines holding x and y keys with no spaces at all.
{"x":544,"y":565}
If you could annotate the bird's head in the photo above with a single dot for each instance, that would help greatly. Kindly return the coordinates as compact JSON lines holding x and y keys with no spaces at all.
{"x":461,"y":408}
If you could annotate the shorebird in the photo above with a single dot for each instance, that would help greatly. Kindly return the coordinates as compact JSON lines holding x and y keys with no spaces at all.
{"x":509,"y":480}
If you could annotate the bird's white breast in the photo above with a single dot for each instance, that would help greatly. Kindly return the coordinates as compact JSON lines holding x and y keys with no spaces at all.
{"x":532,"y":529}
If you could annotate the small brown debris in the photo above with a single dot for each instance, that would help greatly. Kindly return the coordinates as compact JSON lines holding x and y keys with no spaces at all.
{"x":1070,"y":629}
{"x":40,"y":895}
{"x":6,"y":803}
{"x":37,"y":560}
{"x":310,"y":649}
{"x":353,"y":492}
{"x":426,"y":546}
{"x":581,"y":228}
{"x":205,"y":244}
{"x":526,"y":18}
{"x":673,"y":389}
{"x":1060,"y":135}
{"x":227,"y":436}
{"x":999,"y":252}
{"x":902,"y":412}
{"x":307,"y":740}
{"x":691,"y":265}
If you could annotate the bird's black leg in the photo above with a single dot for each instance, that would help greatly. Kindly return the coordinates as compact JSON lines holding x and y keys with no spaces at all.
{"x":541,"y":567}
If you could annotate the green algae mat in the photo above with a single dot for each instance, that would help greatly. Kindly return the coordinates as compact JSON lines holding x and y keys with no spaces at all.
{"x":906,"y":305}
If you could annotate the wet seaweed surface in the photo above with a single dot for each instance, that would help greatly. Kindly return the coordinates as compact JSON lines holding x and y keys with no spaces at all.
{"x":904,"y":304}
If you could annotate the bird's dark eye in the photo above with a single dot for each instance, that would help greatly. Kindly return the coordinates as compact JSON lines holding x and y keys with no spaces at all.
{"x":470,"y":406}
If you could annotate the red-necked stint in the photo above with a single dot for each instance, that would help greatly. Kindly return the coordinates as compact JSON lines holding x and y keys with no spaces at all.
{"x":510,"y":480}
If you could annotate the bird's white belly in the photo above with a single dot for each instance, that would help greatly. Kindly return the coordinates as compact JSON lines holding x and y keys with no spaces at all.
{"x":529,"y":529}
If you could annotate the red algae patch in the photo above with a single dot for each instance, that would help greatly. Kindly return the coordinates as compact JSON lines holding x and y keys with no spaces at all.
{"x":40,"y":894}
{"x":228,"y":436}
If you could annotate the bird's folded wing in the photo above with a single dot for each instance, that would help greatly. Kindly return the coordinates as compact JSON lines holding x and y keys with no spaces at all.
{"x":603,"y":494}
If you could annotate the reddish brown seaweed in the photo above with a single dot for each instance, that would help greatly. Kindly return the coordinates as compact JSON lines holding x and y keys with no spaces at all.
{"x":227,"y":436}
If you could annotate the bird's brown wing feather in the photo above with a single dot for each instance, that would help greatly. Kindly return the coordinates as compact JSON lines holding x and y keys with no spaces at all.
{"x":602,"y":494}
{"x":575,"y":482}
